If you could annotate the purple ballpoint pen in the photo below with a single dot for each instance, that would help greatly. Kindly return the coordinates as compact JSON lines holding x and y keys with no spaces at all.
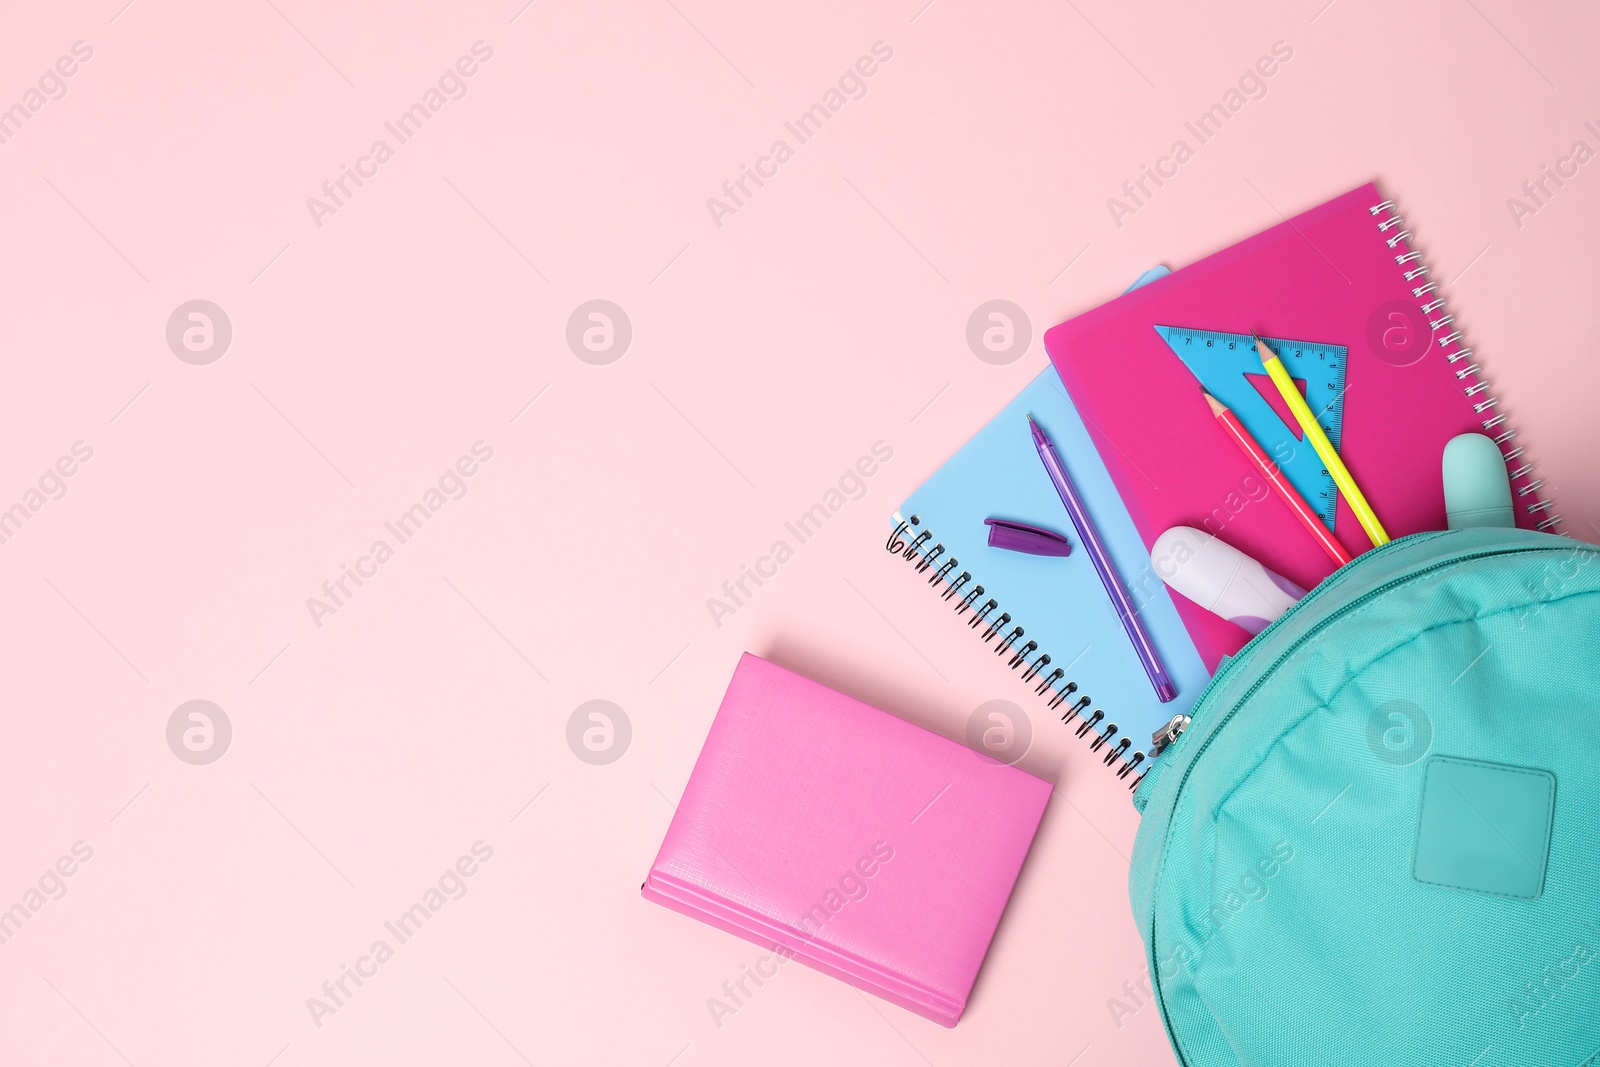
{"x":1096,"y":549}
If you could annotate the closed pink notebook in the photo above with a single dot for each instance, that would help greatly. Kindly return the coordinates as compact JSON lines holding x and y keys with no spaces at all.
{"x":1341,"y":274}
{"x":829,"y":832}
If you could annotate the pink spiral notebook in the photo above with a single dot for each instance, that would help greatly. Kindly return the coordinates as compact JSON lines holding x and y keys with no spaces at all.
{"x":829,"y":832}
{"x":1365,"y":330}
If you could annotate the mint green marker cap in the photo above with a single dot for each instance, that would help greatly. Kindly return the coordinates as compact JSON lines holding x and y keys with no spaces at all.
{"x":1476,"y":489}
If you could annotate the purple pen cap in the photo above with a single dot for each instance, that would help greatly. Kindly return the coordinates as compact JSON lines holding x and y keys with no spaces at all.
{"x":1020,"y":537}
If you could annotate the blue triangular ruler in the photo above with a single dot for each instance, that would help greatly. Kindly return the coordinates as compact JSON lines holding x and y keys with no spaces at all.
{"x":1228,"y":366}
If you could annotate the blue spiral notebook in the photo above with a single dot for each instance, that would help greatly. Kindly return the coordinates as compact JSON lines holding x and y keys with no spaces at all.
{"x":1048,"y":618}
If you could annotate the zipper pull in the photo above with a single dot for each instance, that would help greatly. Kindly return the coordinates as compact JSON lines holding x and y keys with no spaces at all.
{"x":1167,"y":734}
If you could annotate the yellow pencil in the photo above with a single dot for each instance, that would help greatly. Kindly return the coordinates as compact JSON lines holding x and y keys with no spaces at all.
{"x":1319,"y":441}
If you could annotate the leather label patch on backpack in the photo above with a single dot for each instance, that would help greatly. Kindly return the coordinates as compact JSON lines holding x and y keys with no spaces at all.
{"x":1484,"y":827}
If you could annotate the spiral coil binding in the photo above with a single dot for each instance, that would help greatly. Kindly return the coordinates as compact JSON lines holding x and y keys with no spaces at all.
{"x":1449,"y":339}
{"x":984,"y":615}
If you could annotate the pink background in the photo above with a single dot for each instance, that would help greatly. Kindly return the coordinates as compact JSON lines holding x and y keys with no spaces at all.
{"x":828,"y":313}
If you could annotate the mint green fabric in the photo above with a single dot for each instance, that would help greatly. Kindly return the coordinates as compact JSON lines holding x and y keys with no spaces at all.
{"x":1484,"y":827}
{"x":1378,"y":841}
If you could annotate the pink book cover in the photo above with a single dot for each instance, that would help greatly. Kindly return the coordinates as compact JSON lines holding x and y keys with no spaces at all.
{"x":1343,"y":274}
{"x":832,"y":833}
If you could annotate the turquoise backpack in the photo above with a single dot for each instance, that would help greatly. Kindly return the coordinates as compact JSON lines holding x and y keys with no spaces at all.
{"x":1378,"y":839}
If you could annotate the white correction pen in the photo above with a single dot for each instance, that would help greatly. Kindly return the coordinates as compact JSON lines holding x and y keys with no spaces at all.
{"x":1221,"y":579}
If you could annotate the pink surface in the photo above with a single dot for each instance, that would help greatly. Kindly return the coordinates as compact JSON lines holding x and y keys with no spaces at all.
{"x":828,"y":831}
{"x":1326,"y":275}
{"x":768,"y":355}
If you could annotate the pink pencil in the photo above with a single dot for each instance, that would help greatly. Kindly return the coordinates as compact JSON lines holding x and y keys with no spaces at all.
{"x":1269,"y":471}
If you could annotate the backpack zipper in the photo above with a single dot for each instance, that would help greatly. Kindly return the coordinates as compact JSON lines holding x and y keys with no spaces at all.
{"x":1168,"y":734}
{"x":1146,"y":785}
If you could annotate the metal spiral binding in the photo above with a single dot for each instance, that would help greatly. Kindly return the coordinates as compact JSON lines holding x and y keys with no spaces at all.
{"x":996,"y":627}
{"x":1449,"y":339}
